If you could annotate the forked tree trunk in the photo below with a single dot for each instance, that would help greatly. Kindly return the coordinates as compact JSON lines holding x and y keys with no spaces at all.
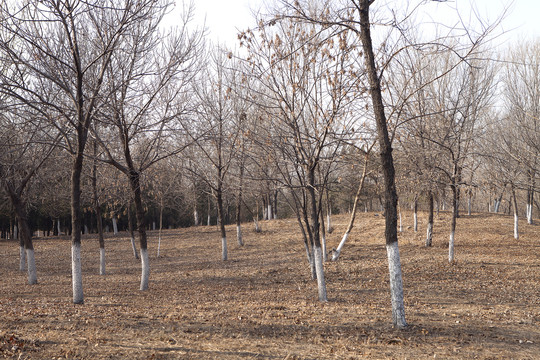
{"x":429,"y":235}
{"x":387,"y":162}
{"x":317,"y":249}
{"x":335,"y":255}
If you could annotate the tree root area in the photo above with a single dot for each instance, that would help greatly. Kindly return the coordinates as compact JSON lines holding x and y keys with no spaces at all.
{"x":262,"y":303}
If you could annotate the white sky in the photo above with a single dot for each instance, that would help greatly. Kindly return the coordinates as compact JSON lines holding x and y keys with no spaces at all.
{"x":223,"y":17}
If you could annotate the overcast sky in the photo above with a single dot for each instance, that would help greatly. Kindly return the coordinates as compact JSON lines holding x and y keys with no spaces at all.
{"x":223,"y":17}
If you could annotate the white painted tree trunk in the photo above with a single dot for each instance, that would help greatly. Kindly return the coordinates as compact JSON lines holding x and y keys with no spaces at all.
{"x":335,"y":255}
{"x":196,"y":217}
{"x":22,"y":258}
{"x":76,"y":271}
{"x":319,"y":269}
{"x":208,"y":220}
{"x":115,"y":225}
{"x":31,"y":261}
{"x":239,"y":235}
{"x":396,"y":285}
{"x":516,"y":227}
{"x":269,"y":212}
{"x":153,"y":225}
{"x":323,"y":244}
{"x":529,"y":214}
{"x":224,"y":255}
{"x":85,"y":229}
{"x":256,"y":223}
{"x":451,"y":247}
{"x":329,"y":221}
{"x":59,"y":227}
{"x":145,"y":266}
{"x":134,"y":248}
{"x":102,"y":263}
{"x":15,"y":232}
{"x":429,"y":235}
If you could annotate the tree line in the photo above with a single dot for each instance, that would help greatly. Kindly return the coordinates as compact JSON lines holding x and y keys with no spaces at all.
{"x":112,"y":119}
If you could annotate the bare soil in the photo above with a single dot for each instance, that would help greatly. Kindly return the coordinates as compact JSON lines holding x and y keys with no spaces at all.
{"x":262,"y":304}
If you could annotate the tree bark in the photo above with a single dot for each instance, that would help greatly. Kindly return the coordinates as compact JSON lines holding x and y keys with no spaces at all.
{"x":317,"y":251}
{"x":134,"y":180}
{"x":415,"y":209}
{"x":387,"y":162}
{"x":219,"y":200}
{"x":131,"y":234}
{"x":26,"y":245}
{"x":455,"y":205}
{"x":516,"y":218}
{"x":97,"y":209}
{"x":429,"y":235}
{"x":76,"y":266}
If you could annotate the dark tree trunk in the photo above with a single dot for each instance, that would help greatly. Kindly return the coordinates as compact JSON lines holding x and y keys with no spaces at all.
{"x":221,"y":217}
{"x":387,"y":162}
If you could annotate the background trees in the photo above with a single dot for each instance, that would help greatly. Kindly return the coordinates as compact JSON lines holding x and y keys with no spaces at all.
{"x":279,"y":127}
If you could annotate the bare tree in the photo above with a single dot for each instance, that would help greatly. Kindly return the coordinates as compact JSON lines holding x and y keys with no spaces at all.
{"x":147,"y":86}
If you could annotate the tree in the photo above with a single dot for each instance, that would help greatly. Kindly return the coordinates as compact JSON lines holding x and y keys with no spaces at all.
{"x":522,"y":116}
{"x":65,"y":48}
{"x":305,"y":93}
{"x":147,"y":97}
{"x":24,"y":147}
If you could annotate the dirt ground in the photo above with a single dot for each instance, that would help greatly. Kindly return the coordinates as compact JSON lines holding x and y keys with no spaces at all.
{"x":261,"y":304}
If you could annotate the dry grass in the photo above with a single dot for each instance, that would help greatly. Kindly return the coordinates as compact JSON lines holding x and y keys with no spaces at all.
{"x":261,"y":304}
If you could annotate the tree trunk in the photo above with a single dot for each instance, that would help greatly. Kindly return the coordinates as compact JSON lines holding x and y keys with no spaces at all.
{"x":97,"y":209}
{"x":323,"y":238}
{"x":219,"y":199}
{"x":317,"y":251}
{"x":336,"y":254}
{"x":134,"y":180}
{"x":239,"y":208}
{"x":516,"y":218}
{"x":429,"y":235}
{"x":208,"y":218}
{"x":415,"y":209}
{"x":451,"y":258}
{"x":160,"y":226}
{"x":76,"y":266}
{"x":387,"y":162}
{"x":131,"y":234}
{"x":26,"y":245}
{"x":114,"y":225}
